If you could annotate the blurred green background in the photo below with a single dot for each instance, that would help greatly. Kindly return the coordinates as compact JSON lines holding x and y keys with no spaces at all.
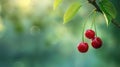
{"x":32,"y":34}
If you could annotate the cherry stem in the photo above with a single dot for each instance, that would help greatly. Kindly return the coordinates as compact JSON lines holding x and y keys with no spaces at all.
{"x":95,"y":23}
{"x":83,"y":32}
{"x":86,"y":23}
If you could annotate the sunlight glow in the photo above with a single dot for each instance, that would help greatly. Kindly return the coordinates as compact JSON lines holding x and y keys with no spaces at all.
{"x":24,"y":5}
{"x":1,"y":25}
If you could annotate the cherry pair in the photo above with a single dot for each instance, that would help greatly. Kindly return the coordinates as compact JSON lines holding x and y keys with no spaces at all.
{"x":96,"y":41}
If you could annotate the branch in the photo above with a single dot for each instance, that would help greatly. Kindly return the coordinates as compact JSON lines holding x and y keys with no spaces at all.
{"x":93,"y":2}
{"x":116,"y":23}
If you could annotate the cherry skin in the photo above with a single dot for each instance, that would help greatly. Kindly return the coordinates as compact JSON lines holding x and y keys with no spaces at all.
{"x":90,"y":34}
{"x":83,"y":47}
{"x":96,"y":43}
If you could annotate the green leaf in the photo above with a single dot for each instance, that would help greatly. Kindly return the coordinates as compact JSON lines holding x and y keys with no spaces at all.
{"x":56,"y":3}
{"x":108,"y":18}
{"x":71,"y":11}
{"x":108,"y":10}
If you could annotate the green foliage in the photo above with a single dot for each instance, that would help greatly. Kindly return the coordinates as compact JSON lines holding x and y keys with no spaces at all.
{"x":56,"y":3}
{"x":107,"y":17}
{"x":71,"y":11}
{"x":45,"y":42}
{"x":106,"y":6}
{"x":108,"y":9}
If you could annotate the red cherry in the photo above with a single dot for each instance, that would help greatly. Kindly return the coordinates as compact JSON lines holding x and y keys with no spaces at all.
{"x":83,"y":47}
{"x":96,"y":42}
{"x":90,"y":34}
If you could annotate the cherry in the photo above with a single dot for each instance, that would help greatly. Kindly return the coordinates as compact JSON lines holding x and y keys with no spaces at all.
{"x":90,"y":34}
{"x":96,"y":42}
{"x":83,"y":47}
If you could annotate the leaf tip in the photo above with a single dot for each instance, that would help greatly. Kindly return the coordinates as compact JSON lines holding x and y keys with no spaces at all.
{"x":64,"y":22}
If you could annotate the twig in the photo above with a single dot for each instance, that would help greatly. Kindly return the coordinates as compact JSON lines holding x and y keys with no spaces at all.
{"x":116,"y":23}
